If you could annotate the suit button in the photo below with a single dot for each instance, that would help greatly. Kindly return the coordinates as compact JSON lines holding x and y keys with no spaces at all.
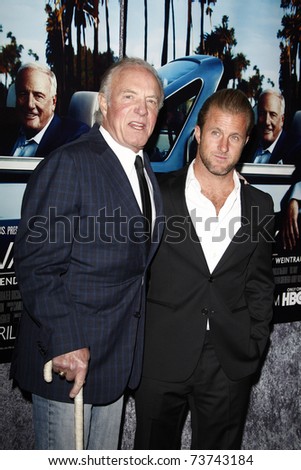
{"x":210,"y":279}
{"x":205,"y":311}
{"x":137,"y":315}
{"x":41,"y":348}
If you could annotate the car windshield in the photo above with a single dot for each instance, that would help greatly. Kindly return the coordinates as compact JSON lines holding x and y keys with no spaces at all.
{"x":171,"y":120}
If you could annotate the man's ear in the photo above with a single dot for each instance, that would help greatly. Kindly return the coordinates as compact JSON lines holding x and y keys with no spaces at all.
{"x":54,"y":101}
{"x":103,"y":104}
{"x":282,"y":119}
{"x":197,"y":133}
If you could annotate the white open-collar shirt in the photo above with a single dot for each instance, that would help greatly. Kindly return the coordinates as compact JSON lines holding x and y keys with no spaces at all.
{"x":214,"y":232}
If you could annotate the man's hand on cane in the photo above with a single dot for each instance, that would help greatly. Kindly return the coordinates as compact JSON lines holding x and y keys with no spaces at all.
{"x":74,"y":367}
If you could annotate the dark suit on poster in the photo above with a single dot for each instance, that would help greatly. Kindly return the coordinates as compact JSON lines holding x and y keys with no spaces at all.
{"x":287,"y":149}
{"x":60,"y":131}
{"x":236,"y":297}
{"x":96,"y":293}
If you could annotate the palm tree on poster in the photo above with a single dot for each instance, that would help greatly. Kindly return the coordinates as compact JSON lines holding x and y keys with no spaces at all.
{"x":208,"y":12}
{"x":291,"y":54}
{"x":188,"y":28}
{"x":165,"y":32}
{"x":167,"y":5}
{"x":83,"y":12}
{"x":226,"y":36}
{"x":59,"y":56}
{"x":240,"y":64}
{"x":106,"y":4}
{"x":123,"y":28}
{"x":145,"y":29}
{"x":173,"y":31}
{"x":10,"y":58}
{"x":78,"y":11}
{"x":219,"y":43}
{"x":95,"y":16}
{"x":59,"y":50}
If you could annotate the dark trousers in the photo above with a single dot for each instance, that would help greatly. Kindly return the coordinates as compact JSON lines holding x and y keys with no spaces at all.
{"x":218,"y":408}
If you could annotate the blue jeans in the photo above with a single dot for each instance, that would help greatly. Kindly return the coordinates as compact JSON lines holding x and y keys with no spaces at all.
{"x":54,"y":425}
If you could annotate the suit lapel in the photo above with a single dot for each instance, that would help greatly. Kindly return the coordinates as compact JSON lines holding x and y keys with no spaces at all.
{"x":117,"y":178}
{"x":51,"y":135}
{"x":243,"y":234}
{"x":178,"y":200}
{"x":114,"y":173}
{"x":158,"y":225}
{"x":194,"y":247}
{"x":280,"y":149}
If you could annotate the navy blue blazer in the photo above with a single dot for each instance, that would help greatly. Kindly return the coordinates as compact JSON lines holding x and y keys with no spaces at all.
{"x":60,"y":131}
{"x":81,"y":267}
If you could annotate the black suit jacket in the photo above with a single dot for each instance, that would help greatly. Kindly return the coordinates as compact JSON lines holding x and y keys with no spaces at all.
{"x":60,"y":131}
{"x":81,"y":269}
{"x":237,"y":297}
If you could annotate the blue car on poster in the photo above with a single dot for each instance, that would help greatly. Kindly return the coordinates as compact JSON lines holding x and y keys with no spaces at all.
{"x":188,"y":82}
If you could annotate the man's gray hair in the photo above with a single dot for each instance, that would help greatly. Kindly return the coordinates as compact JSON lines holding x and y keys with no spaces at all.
{"x":106,"y":82}
{"x":40,"y":68}
{"x":270,"y":91}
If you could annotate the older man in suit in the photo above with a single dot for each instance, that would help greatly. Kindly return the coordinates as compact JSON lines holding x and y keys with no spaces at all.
{"x":81,"y":257}
{"x":39,"y":129}
{"x":211,"y":291}
{"x":270,"y":142}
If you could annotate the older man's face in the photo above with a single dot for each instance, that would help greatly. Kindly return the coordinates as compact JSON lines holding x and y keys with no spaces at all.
{"x":270,"y":119}
{"x":35,"y":102}
{"x":131,"y":112}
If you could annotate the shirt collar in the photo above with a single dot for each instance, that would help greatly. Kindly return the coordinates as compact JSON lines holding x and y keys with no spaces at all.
{"x":38,"y":137}
{"x":125,"y":155}
{"x":191,"y":179}
{"x":272,"y":146}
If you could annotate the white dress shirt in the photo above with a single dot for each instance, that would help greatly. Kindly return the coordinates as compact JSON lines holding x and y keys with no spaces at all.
{"x":214,"y":232}
{"x":127,"y":158}
{"x":28,"y":147}
{"x":264,"y":155}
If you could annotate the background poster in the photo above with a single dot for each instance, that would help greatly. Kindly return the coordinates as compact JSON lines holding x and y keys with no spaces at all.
{"x":258,"y":42}
{"x":10,"y":298}
{"x":11,"y":193}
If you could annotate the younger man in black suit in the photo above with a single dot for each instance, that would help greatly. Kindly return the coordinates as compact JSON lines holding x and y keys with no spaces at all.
{"x":211,"y":291}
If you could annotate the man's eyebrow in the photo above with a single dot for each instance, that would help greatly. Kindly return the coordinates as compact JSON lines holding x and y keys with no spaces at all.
{"x":153,"y":96}
{"x":129,"y":90}
{"x":31,"y":91}
{"x":216,"y":128}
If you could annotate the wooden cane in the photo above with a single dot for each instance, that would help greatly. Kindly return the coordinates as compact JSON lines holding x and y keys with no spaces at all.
{"x":78,"y":409}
